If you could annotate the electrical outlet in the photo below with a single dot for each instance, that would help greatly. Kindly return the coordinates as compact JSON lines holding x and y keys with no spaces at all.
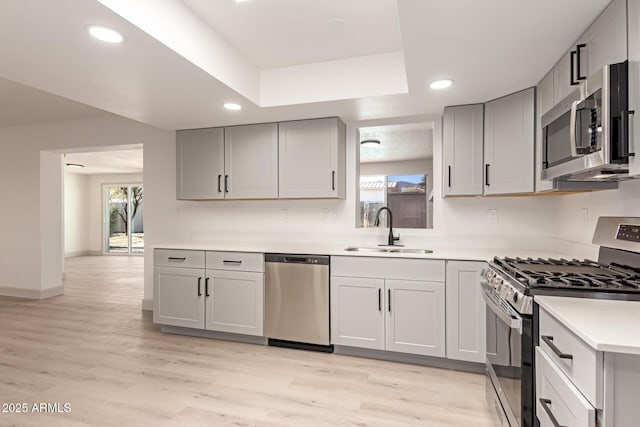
{"x":492,"y":216}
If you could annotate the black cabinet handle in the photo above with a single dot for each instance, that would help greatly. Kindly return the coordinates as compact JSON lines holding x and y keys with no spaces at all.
{"x":219,"y":185}
{"x":579,"y":75}
{"x":623,"y":137}
{"x":486,"y":174}
{"x":173,"y":258}
{"x":449,"y":175}
{"x":226,"y":183}
{"x":389,"y":300}
{"x":572,"y":58}
{"x":333,"y":180}
{"x":199,"y":290}
{"x":231,"y":262}
{"x":545,"y":405}
{"x":379,"y":299}
{"x":206,"y":287}
{"x":548,"y":339}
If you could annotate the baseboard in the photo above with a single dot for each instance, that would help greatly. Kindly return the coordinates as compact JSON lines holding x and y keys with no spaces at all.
{"x":147,"y":304}
{"x":9,"y":291}
{"x":76,"y":254}
{"x":416,"y":359}
{"x":247,"y":339}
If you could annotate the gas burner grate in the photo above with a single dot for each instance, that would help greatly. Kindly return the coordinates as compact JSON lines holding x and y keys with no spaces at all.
{"x":571,"y":274}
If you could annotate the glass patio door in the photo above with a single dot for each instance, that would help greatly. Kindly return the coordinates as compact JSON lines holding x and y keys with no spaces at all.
{"x":123,"y":219}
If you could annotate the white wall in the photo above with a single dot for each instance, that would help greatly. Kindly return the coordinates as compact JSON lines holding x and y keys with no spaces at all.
{"x":578,"y":214}
{"x":76,"y":214}
{"x":32,"y":250}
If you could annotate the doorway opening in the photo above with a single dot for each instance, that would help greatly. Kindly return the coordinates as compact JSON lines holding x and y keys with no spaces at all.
{"x":123,"y":219}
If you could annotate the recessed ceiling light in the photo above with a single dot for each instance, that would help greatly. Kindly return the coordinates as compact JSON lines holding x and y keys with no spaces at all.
{"x":105,"y":34}
{"x":441,"y":84}
{"x":370,"y":143}
{"x":74,"y":165}
{"x":232,"y":106}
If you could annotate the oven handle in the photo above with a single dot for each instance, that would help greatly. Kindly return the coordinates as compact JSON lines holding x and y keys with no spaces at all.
{"x":572,"y":129}
{"x":510,"y":320}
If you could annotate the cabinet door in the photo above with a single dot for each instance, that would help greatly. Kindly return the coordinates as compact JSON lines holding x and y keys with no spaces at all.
{"x":415,"y":317}
{"x":634,"y":88}
{"x":462,"y":150}
{"x":199,"y":163}
{"x":357,"y":316}
{"x":466,"y":312}
{"x":509,"y":144}
{"x":235,"y":302}
{"x":544,"y":102}
{"x":312,"y":158}
{"x":251,"y":161}
{"x":179,"y":297}
{"x":607,"y":37}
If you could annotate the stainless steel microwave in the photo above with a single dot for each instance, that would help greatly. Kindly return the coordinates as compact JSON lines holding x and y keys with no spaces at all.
{"x":586,"y":136}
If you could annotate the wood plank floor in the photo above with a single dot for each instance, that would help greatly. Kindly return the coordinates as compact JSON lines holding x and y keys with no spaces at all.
{"x":94,"y":349}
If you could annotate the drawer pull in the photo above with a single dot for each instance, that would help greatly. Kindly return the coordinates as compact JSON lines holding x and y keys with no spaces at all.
{"x":545,"y":405}
{"x":173,"y":258}
{"x":549,"y":340}
{"x":231,"y":262}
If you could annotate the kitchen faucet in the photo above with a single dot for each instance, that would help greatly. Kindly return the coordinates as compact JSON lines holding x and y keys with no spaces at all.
{"x":392,"y":239}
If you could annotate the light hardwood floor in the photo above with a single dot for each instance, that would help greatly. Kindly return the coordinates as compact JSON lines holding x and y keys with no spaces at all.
{"x":94,"y":349}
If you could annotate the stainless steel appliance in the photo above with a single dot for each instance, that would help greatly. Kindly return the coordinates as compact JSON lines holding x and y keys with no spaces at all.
{"x":509,"y":288}
{"x":297,"y":301}
{"x":586,"y":136}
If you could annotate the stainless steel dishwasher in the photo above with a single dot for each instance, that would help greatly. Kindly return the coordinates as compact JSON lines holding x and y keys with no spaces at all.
{"x":297,"y":301}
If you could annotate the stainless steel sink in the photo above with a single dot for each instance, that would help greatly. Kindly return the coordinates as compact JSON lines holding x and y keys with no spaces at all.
{"x":388,"y":249}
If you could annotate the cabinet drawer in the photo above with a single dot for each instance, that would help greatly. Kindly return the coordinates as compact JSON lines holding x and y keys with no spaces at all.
{"x":178,"y":258}
{"x":557,"y":398}
{"x":239,"y":261}
{"x":388,"y":268}
{"x":580,"y":363}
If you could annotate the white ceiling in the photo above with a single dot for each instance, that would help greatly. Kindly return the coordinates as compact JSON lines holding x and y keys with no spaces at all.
{"x":281,"y":33}
{"x":181,"y":62}
{"x":106,"y":162}
{"x":397,"y":143}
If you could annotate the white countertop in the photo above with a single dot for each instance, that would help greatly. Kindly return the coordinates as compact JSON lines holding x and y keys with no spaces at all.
{"x":605,"y":325}
{"x":463,"y":254}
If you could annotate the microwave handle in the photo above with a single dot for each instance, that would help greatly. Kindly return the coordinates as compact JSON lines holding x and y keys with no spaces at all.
{"x":573,"y":143}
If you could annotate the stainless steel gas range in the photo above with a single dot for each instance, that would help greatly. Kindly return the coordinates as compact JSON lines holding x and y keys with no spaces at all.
{"x":509,"y":288}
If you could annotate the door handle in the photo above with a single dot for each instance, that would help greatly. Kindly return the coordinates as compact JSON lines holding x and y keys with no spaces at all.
{"x":199,"y":283}
{"x":333,"y":180}
{"x":545,"y":405}
{"x":449,"y":175}
{"x":219,"y":186}
{"x":226,"y":183}
{"x":573,"y":141}
{"x":579,"y":77}
{"x":548,"y":339}
{"x":206,"y":287}
{"x":486,"y":174}
{"x":379,"y":299}
{"x":389,"y":300}
{"x":572,"y":59}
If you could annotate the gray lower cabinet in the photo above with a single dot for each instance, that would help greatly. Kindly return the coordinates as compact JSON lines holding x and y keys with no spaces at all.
{"x":382,"y":304}
{"x":223,"y":299}
{"x":466,"y":312}
{"x":462,"y":150}
{"x":509,"y":145}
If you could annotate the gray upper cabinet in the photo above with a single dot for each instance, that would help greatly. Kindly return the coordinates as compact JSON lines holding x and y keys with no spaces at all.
{"x":509,"y":144}
{"x":312,"y":158}
{"x":239,"y":162}
{"x":606,"y":38}
{"x":199,"y":163}
{"x":462,"y":135}
{"x":251,"y":161}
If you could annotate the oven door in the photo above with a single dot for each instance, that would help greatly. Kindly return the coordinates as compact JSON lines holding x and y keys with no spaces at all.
{"x":504,"y":355}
